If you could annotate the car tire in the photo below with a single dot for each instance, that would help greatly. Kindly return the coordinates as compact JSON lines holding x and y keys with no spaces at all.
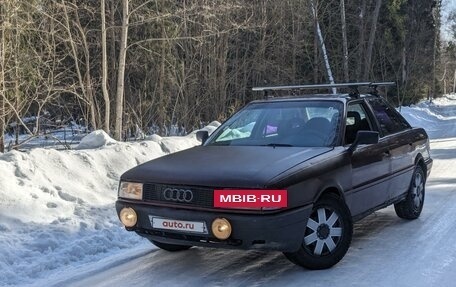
{"x":412,"y":205}
{"x":170,"y":247}
{"x":327,"y":237}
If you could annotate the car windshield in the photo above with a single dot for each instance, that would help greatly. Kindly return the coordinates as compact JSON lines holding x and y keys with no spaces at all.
{"x":287,"y":123}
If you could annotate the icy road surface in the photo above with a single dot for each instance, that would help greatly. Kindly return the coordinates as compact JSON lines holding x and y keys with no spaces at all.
{"x":386,"y":251}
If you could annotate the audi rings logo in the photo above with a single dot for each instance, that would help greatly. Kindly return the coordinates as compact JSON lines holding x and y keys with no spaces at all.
{"x":180,"y":195}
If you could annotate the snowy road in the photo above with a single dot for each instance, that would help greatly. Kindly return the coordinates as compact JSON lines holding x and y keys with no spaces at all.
{"x":386,"y":251}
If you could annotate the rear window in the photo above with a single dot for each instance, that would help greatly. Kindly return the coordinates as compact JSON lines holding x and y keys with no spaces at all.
{"x":388,"y":118}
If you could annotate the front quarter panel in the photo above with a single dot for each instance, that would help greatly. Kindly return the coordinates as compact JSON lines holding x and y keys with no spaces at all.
{"x":305,"y":182}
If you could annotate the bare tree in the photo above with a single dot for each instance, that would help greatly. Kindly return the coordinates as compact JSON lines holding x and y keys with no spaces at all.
{"x":121,"y":70}
{"x":104,"y":64}
{"x":84,"y":82}
{"x":361,"y":42}
{"x":323,"y":49}
{"x":370,"y":44}
{"x":344,"y":40}
{"x":2,"y":80}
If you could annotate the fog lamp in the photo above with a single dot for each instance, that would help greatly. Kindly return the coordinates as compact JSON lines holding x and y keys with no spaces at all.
{"x":221,"y":228}
{"x":128,"y":217}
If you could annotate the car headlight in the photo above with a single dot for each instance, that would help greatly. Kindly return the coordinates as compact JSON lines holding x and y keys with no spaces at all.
{"x":132,"y":190}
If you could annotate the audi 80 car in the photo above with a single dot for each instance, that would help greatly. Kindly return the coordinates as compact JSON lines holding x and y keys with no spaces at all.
{"x":289,"y":174}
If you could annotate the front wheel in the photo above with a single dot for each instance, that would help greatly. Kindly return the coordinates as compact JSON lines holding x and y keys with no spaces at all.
{"x":170,"y":247}
{"x":412,"y":205}
{"x":327,"y":237}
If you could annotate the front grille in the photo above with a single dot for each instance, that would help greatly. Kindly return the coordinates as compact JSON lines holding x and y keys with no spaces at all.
{"x":202,"y":197}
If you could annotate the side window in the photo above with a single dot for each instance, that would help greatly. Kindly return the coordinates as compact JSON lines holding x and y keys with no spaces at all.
{"x":357,"y":120}
{"x":389,"y":119}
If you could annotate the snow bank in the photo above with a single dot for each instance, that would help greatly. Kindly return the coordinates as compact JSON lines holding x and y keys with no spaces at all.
{"x":95,"y":139}
{"x":57,"y":207}
{"x":437,"y":117}
{"x":211,"y":127}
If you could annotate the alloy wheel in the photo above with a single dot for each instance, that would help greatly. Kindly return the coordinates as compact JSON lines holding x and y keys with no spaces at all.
{"x":323,"y":232}
{"x":417,"y":190}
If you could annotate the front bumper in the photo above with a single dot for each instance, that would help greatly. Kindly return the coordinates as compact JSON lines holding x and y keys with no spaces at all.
{"x":282,"y":231}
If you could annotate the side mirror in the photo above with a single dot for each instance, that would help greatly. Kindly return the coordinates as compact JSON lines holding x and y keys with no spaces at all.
{"x":364,"y":137}
{"x":202,"y":136}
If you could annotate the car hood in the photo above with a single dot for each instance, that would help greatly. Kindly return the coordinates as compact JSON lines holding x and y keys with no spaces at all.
{"x":222,"y":166}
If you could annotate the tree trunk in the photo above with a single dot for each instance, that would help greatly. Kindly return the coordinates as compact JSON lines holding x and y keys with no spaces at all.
{"x":454,"y":82}
{"x":370,"y":44}
{"x":2,"y":82}
{"x":315,"y":47}
{"x":121,"y":71}
{"x":104,"y":67}
{"x":112,"y":49}
{"x":75,"y":57}
{"x":161,"y":83}
{"x":15,"y":52}
{"x":344,"y":40}
{"x":404,"y":67}
{"x":362,"y":34}
{"x":323,"y":50}
{"x":434,"y":55}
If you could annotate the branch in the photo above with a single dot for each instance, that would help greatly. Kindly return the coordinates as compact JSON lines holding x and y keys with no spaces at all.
{"x":195,"y":38}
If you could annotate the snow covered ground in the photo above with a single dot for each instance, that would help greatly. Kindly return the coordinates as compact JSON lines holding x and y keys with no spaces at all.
{"x":57,"y":207}
{"x":58,"y":225}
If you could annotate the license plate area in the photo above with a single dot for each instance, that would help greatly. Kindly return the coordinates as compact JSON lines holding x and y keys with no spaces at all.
{"x":196,"y":227}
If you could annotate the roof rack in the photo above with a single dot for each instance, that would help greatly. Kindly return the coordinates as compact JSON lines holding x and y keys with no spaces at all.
{"x":353,"y":86}
{"x":374,"y":86}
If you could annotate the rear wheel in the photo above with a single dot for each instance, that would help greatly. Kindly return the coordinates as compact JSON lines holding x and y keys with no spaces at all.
{"x":412,"y":205}
{"x":327,"y":237}
{"x":170,"y":247}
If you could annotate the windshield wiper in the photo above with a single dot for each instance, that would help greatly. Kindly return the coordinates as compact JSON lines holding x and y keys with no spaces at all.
{"x":278,"y":145}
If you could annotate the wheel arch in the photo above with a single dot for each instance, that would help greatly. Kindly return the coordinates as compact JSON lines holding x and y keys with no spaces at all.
{"x":419,"y":161}
{"x":333,"y":190}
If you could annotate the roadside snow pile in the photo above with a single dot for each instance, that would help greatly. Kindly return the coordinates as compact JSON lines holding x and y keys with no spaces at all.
{"x":437,"y":117}
{"x":210,"y":128}
{"x":95,"y":139}
{"x":176,"y":143}
{"x":57,"y":207}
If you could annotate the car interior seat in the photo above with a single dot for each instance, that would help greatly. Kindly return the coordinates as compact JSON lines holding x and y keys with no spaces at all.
{"x":321,"y":127}
{"x":289,"y":127}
